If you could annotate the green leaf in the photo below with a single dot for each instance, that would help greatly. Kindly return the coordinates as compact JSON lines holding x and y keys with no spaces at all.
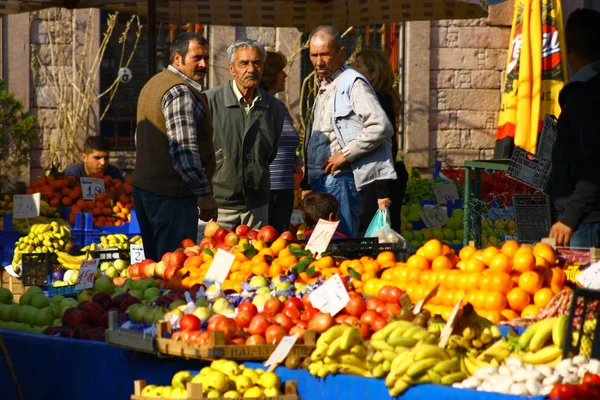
{"x":209,"y":252}
{"x":298,"y":252}
{"x":353,"y":273}
{"x":310,"y":271}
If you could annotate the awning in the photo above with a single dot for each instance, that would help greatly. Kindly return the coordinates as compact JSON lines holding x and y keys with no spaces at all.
{"x":302,"y":14}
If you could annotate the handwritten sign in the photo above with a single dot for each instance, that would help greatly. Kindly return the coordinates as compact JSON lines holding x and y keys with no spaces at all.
{"x":590,"y":277}
{"x":321,"y":236}
{"x":447,"y":331}
{"x":444,"y":192}
{"x":429,"y":296}
{"x":87,"y":274}
{"x":90,"y":187}
{"x":26,"y":205}
{"x":331,"y":297}
{"x":282,"y":350}
{"x":434,"y":217}
{"x":219,"y":268}
{"x":136,"y":253}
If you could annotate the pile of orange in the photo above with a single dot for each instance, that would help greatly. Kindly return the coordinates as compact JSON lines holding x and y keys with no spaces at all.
{"x":109,"y":209}
{"x":501,"y":283}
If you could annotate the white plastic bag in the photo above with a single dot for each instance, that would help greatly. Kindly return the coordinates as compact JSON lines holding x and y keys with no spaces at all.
{"x":385,"y":234}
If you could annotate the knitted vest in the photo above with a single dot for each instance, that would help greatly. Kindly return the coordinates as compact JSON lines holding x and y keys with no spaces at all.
{"x":154,"y":170}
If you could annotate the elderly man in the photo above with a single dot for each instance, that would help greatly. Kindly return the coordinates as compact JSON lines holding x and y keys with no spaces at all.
{"x":348,"y":140}
{"x":247,"y":123}
{"x":174,"y":152}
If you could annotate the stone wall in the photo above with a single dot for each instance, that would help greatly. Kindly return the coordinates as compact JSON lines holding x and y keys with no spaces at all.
{"x":468,"y":58}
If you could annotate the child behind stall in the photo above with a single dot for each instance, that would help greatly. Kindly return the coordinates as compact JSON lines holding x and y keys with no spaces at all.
{"x":320,"y":205}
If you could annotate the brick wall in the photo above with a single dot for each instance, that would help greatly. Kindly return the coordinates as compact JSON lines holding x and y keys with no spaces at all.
{"x":468,"y":58}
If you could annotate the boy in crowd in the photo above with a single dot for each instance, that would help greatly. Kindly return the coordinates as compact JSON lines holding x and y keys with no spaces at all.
{"x":96,"y":153}
{"x":320,"y":205}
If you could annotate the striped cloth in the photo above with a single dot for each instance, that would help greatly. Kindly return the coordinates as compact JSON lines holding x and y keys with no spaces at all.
{"x":282,"y":167}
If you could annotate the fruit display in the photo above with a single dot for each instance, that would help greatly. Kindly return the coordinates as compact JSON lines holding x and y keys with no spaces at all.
{"x":112,"y":208}
{"x":33,"y":313}
{"x":47,"y":215}
{"x":450,"y":233}
{"x":43,"y":238}
{"x":222,"y":379}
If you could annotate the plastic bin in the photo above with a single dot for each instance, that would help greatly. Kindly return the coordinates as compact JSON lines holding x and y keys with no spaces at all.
{"x":582,"y":328}
{"x":8,"y":237}
{"x":37,"y":268}
{"x":533,"y":217}
{"x":62,"y":290}
{"x":111,"y":255}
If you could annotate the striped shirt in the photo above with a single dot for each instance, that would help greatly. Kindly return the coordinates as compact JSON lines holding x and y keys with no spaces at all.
{"x":181,"y":110}
{"x":282,"y":167}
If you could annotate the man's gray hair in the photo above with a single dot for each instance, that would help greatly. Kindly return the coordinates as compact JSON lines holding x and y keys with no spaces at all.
{"x":245,"y":44}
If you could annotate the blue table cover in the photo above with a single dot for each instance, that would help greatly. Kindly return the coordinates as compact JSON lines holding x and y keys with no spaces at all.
{"x":54,"y":368}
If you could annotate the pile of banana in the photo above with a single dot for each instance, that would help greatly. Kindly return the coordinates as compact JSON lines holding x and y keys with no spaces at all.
{"x":69,"y":261}
{"x":42,"y":238}
{"x":542,"y":342}
{"x":340,"y":349}
{"x":424,"y":363}
{"x":113,"y":241}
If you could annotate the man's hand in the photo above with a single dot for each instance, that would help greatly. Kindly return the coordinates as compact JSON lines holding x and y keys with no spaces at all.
{"x":207,"y":207}
{"x":333,"y":163}
{"x":384,"y":203}
{"x":561,"y":233}
{"x":305,"y":193}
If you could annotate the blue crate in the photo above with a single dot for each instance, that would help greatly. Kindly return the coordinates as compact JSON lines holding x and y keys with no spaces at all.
{"x":8,"y":237}
{"x":78,"y":239}
{"x":62,"y":290}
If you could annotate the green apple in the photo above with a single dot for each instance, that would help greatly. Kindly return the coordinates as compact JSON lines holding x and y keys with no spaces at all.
{"x":151,"y":292}
{"x":137,"y":293}
{"x":25,"y":299}
{"x":85,"y":295}
{"x":39,"y":301}
{"x":258,"y":281}
{"x":231,"y":394}
{"x":104,"y":284}
{"x":105,"y":265}
{"x":44,"y":319}
{"x":57,"y":299}
{"x":222,"y":306}
{"x":176,"y":304}
{"x":242,"y":383}
{"x":203,"y":313}
{"x":6,"y":296}
{"x":263,"y":290}
{"x":272,"y":392}
{"x":120,"y":265}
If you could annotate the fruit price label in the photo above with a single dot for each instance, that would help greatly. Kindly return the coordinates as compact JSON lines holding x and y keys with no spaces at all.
{"x":219,"y":268}
{"x":321,"y":236}
{"x":434,"y":217}
{"x":136,"y":253}
{"x":87,"y":274}
{"x":429,"y":296}
{"x":331,"y":297}
{"x":90,"y":187}
{"x":444,"y":192}
{"x":590,"y":277}
{"x":26,"y":205}
{"x":282,"y":350}
{"x":447,"y":331}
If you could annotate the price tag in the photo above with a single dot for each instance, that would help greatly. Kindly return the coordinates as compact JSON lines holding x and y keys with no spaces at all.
{"x":282,"y":350}
{"x":331,"y":297}
{"x":434,"y":217}
{"x":219,"y":268}
{"x":321,"y":236}
{"x":429,"y":296}
{"x":90,"y":187}
{"x":444,"y":192}
{"x":26,"y":205}
{"x":136,"y":252}
{"x":590,"y":277}
{"x":447,"y":331}
{"x":87,"y":274}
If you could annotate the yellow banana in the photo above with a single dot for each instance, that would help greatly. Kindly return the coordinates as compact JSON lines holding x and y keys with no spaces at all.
{"x":559,"y":331}
{"x":542,"y":334}
{"x":446,"y":366}
{"x":350,"y":338}
{"x":453,"y":378}
{"x":402,"y":341}
{"x":386,"y":331}
{"x":420,"y":367}
{"x":331,"y":334}
{"x":424,"y":351}
{"x":545,"y":355}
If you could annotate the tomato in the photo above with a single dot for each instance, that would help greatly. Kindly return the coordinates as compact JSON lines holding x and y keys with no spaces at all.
{"x":389,"y":294}
{"x":194,"y":337}
{"x":369,"y":316}
{"x":284,"y":321}
{"x":227,"y":326}
{"x":189,"y":322}
{"x":297,"y":330}
{"x":321,"y":322}
{"x":306,"y":300}
{"x":390,"y":309}
{"x":273,"y":306}
{"x":365,"y":331}
{"x":292,"y":312}
{"x":356,"y":306}
{"x":589,"y":390}
{"x":248,"y":306}
{"x":244,"y":318}
{"x":274,"y":334}
{"x":309,"y":313}
{"x":258,"y":325}
{"x":214,"y":320}
{"x":256,"y":339}
{"x":294,"y":302}
{"x":373,"y":304}
{"x":591,"y":378}
{"x":564,"y":392}
{"x":378,"y":323}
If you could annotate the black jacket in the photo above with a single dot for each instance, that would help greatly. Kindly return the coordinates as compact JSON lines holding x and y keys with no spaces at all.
{"x":576,"y":154}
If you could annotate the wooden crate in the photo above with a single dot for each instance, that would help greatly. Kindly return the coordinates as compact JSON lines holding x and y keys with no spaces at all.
{"x":194,"y":392}
{"x":219,"y":349}
{"x":128,"y":338}
{"x":13,"y":284}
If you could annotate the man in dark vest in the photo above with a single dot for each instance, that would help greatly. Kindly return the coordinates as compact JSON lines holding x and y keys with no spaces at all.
{"x":174,"y":151}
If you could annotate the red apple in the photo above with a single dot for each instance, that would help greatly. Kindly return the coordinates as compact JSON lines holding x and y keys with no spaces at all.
{"x":159,"y":269}
{"x":127,"y":302}
{"x":287,"y":235}
{"x":223,"y":246}
{"x":103,"y":299}
{"x":189,"y":322}
{"x":242,"y":230}
{"x":185,"y":243}
{"x":177,"y":258}
{"x":211,"y":228}
{"x":220,"y":234}
{"x":73,"y":318}
{"x":149,"y":270}
{"x":231,"y":239}
{"x":166,"y":257}
{"x":253,"y":234}
{"x":171,"y":271}
{"x":268,"y":234}
{"x":133,"y":270}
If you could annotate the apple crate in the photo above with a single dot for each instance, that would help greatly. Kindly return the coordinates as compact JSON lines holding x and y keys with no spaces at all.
{"x":220,"y":349}
{"x":37,"y":268}
{"x":128,"y":338}
{"x":194,"y":392}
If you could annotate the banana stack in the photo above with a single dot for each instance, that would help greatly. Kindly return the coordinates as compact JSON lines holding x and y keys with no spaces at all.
{"x":542,"y":342}
{"x":137,"y":239}
{"x":394,"y":339}
{"x":477,"y":332}
{"x":339,"y":350}
{"x":424,"y":363}
{"x":42,"y":238}
{"x":113,"y":241}
{"x":69,"y":261}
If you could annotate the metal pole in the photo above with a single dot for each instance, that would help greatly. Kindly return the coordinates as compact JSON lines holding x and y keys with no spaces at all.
{"x":151,"y":38}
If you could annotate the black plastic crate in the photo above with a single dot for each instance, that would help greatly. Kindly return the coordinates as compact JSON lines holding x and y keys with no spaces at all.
{"x":529,"y":169}
{"x":110,"y":255}
{"x":37,"y":268}
{"x":582,"y":328}
{"x":547,"y":138}
{"x":533,"y":216}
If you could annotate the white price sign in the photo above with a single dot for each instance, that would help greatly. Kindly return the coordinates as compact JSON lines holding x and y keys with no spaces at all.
{"x":219,"y":268}
{"x":282,"y":350}
{"x":444,"y":192}
{"x":87,"y":274}
{"x":136,"y":253}
{"x":90,"y":187}
{"x":434,"y":217}
{"x":321,"y":236}
{"x":590,"y":277}
{"x":447,"y":331}
{"x":331,"y":297}
{"x":26,"y":205}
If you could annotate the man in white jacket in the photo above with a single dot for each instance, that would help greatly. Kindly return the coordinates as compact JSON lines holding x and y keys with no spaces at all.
{"x":348,"y":139}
